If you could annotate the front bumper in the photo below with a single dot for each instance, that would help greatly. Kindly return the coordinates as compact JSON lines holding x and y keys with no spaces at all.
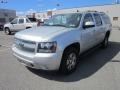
{"x":44,"y":61}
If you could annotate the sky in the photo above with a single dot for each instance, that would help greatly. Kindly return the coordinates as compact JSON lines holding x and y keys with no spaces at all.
{"x":42,"y":5}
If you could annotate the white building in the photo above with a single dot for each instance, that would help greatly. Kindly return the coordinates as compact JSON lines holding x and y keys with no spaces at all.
{"x":112,"y":10}
{"x":41,"y":16}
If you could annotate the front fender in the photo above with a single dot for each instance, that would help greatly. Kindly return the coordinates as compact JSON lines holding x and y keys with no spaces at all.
{"x":7,"y":26}
{"x":67,"y":38}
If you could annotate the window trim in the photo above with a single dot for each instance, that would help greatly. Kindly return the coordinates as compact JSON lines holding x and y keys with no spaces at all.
{"x":84,"y":19}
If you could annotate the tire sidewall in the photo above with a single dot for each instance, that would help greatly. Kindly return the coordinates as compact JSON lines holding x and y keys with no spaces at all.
{"x":63,"y":66}
{"x":105,"y":42}
{"x":7,"y":31}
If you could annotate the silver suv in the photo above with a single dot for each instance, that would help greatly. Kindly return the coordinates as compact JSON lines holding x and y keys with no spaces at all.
{"x":57,"y":44}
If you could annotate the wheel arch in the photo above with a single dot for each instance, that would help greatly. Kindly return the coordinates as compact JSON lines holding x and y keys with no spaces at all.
{"x":76,"y":45}
{"x":6,"y":27}
{"x":107,"y":33}
{"x":28,"y":27}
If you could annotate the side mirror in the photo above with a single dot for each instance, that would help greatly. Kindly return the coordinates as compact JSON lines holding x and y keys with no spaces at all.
{"x":89,"y":24}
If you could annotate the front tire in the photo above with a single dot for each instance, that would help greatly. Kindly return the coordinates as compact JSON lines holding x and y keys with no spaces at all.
{"x":69,"y":61}
{"x":7,"y":31}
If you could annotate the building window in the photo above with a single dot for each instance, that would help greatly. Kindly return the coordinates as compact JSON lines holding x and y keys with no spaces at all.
{"x":5,"y":14}
{"x":115,"y":18}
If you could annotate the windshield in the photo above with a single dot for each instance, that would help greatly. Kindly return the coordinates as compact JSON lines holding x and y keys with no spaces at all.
{"x":65,"y":20}
{"x":14,"y":21}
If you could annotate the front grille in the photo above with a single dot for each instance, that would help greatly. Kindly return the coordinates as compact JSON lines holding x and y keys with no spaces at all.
{"x":24,"y":45}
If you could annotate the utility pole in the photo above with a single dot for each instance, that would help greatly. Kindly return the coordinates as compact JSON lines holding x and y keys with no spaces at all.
{"x":117,"y":2}
{"x":3,"y":1}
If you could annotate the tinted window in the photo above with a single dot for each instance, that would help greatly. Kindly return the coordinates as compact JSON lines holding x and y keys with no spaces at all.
{"x":28,"y":21}
{"x":10,"y":19}
{"x":106,"y":19}
{"x":98,"y":19}
{"x":14,"y":21}
{"x":66,"y":20}
{"x":21,"y":21}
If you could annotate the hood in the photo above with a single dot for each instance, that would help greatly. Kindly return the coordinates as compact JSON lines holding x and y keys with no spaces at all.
{"x":42,"y":33}
{"x":7,"y":24}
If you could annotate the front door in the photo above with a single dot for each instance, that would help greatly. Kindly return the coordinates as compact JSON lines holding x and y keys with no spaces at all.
{"x":100,"y":28}
{"x":87,"y":34}
{"x":21,"y":24}
{"x":14,"y":24}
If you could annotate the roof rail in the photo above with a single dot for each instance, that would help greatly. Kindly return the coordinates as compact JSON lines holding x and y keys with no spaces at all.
{"x":102,"y":12}
{"x":92,"y":11}
{"x":95,"y":11}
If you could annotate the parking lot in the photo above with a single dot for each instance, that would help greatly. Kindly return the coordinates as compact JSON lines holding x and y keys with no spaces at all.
{"x":99,"y":70}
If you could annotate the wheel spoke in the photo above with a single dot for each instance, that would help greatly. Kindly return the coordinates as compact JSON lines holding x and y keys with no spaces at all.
{"x":71,"y":61}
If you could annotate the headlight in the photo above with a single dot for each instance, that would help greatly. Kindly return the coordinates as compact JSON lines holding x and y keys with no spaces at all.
{"x":47,"y":47}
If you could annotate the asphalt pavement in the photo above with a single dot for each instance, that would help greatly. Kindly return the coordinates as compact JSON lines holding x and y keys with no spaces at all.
{"x":99,"y":70}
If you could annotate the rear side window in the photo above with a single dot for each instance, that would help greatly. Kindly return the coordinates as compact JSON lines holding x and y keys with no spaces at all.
{"x":106,"y":19}
{"x":21,"y":21}
{"x":27,"y":21}
{"x":97,"y":19}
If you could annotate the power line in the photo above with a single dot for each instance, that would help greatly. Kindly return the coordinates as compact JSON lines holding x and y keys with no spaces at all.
{"x":117,"y":1}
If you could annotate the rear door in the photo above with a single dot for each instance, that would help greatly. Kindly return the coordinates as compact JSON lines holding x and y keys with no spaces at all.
{"x":99,"y":29}
{"x":87,"y":34}
{"x":21,"y":24}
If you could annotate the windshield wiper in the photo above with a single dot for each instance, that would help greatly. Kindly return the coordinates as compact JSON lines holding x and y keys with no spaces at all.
{"x":54,"y":25}
{"x":59,"y":25}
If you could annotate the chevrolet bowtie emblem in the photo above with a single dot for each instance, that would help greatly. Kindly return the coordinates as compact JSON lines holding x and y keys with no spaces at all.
{"x":21,"y":44}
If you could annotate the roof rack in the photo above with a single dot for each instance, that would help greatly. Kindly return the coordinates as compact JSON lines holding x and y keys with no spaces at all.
{"x":96,"y":11}
{"x":92,"y":11}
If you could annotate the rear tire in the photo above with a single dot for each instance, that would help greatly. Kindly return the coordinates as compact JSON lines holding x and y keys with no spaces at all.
{"x":28,"y":27}
{"x":105,"y":42}
{"x":7,"y":31}
{"x":69,"y":61}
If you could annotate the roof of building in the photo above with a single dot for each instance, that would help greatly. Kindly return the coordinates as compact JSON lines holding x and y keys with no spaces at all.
{"x":90,"y":6}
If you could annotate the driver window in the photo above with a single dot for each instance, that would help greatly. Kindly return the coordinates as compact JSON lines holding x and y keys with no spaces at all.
{"x":88,"y":18}
{"x":21,"y":21}
{"x":14,"y":21}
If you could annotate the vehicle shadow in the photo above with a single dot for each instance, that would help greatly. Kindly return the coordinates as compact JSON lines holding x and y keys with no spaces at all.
{"x":88,"y":65}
